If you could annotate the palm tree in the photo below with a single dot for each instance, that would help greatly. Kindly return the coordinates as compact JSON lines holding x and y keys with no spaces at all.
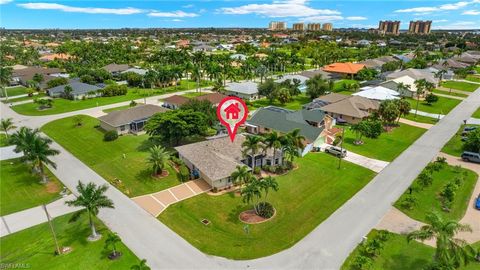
{"x":252,"y":193}
{"x":420,"y":84}
{"x":111,"y":241}
{"x":296,"y":139}
{"x":23,"y":138}
{"x":439,"y":74}
{"x":268,"y":183}
{"x":141,"y":266}
{"x":91,"y":198}
{"x":402,"y":88}
{"x":274,"y":141}
{"x":5,"y":78}
{"x":403,"y":107}
{"x":158,"y":159}
{"x":241,"y":176}
{"x":252,"y":146}
{"x":450,"y":251}
{"x":38,"y":152}
{"x":6,"y":125}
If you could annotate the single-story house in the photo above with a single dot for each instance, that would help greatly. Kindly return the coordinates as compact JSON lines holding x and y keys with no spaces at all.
{"x":378,"y":93}
{"x":138,"y":71}
{"x":238,"y":56}
{"x":312,"y":123}
{"x":203,"y":48}
{"x":54,"y":56}
{"x":303,"y":80}
{"x":175,"y":101}
{"x":214,"y":98}
{"x":245,"y":90}
{"x":312,"y":73}
{"x":416,"y":74}
{"x":344,"y":68}
{"x":131,"y":120}
{"x":79,"y":90}
{"x":215,"y":160}
{"x":116,"y":69}
{"x":349,"y":109}
{"x":22,"y":76}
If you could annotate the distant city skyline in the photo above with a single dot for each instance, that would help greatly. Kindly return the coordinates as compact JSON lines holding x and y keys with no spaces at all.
{"x":31,"y":14}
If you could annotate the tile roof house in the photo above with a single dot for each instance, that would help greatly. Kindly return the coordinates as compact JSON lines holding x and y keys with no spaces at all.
{"x":54,"y":56}
{"x":79,"y":89}
{"x":245,"y":90}
{"x":214,"y":98}
{"x":214,"y":160}
{"x":349,"y":109}
{"x":131,"y":120}
{"x":344,"y":68}
{"x":175,"y":101}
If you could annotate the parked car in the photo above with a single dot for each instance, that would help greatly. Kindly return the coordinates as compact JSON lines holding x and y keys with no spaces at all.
{"x":471,"y":156}
{"x":477,"y":202}
{"x":336,"y":151}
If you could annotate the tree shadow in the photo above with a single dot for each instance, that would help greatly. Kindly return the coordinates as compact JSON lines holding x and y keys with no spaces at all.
{"x":401,"y":262}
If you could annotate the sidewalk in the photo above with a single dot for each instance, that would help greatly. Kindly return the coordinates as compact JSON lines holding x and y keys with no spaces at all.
{"x":28,"y":218}
{"x":8,"y":153}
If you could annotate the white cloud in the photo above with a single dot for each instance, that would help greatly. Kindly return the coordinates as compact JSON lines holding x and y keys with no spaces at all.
{"x":172,"y":14}
{"x":440,"y":21}
{"x":459,"y":25}
{"x":188,"y":6}
{"x":177,"y":20}
{"x":453,"y":6}
{"x":356,"y":18}
{"x":325,"y":18}
{"x":3,"y":2}
{"x":90,"y":10}
{"x":279,"y":8}
{"x":471,"y":12}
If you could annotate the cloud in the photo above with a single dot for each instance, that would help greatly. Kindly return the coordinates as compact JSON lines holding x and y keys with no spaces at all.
{"x":356,"y":18}
{"x":177,"y":20}
{"x":3,"y":2}
{"x":471,"y":12}
{"x":325,"y":18}
{"x":279,"y":8}
{"x":452,"y":6}
{"x":440,"y":21}
{"x":172,"y":14}
{"x":188,"y":6}
{"x":90,"y":10}
{"x":459,"y":25}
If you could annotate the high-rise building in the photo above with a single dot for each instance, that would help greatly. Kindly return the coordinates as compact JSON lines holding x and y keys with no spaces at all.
{"x":389,"y":27}
{"x":276,"y":26}
{"x":313,"y":27}
{"x":298,"y":26}
{"x":327,"y":27}
{"x":420,"y":27}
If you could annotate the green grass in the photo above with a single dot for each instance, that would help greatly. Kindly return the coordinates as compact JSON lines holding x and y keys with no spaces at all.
{"x":463,"y":86}
{"x":3,"y":140}
{"x":477,"y":69}
{"x":386,"y":147}
{"x":454,"y":145}
{"x":12,"y":100}
{"x":338,"y":85}
{"x":476,"y":114}
{"x":428,"y":198}
{"x":120,"y":108}
{"x":307,"y":196}
{"x":20,"y":189}
{"x":106,"y":158}
{"x":473,"y":78}
{"x":421,"y":119}
{"x":61,"y":105}
{"x":194,"y":94}
{"x":398,"y":254}
{"x":295,"y":104}
{"x":442,"y":106}
{"x":14,"y":91}
{"x":455,"y":94}
{"x":35,"y":247}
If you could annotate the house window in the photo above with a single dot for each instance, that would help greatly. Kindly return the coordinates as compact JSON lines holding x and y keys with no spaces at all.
{"x":276,"y":161}
{"x":122,"y":128}
{"x":269,"y":162}
{"x":229,"y":180}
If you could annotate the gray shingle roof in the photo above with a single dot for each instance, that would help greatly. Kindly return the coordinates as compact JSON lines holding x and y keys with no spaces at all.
{"x":123,"y":117}
{"x":116,"y":67}
{"x":248,"y":88}
{"x":79,"y":88}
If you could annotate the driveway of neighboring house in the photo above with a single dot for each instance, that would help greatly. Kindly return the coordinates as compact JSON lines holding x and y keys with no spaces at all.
{"x":415,"y":124}
{"x":369,"y":163}
{"x":155,"y":203}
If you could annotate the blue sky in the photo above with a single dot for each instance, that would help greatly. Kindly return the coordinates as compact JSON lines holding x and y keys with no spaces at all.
{"x":463,"y":14}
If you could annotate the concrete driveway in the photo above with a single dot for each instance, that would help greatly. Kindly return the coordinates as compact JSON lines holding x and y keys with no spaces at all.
{"x":155,"y":203}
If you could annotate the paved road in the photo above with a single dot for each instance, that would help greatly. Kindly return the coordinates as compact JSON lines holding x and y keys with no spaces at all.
{"x":325,"y":247}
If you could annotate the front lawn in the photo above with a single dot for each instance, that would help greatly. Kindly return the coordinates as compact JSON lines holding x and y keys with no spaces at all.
{"x":61,"y":105}
{"x":443,"y":92}
{"x":398,"y":254}
{"x":454,"y":145}
{"x":473,"y":78}
{"x":119,"y":108}
{"x":386,"y":147}
{"x":123,"y":159}
{"x":428,"y":198}
{"x":20,"y":189}
{"x":296,"y":103}
{"x":307,"y":196}
{"x":476,"y":114}
{"x":421,"y":119}
{"x":3,"y":140}
{"x":14,"y":91}
{"x":463,"y":86}
{"x":34,"y":247}
{"x":442,"y":106}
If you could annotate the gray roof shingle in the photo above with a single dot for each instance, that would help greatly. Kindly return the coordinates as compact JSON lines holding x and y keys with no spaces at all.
{"x":123,"y":117}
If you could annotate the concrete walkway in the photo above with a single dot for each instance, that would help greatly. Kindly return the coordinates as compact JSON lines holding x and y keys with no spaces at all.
{"x":453,"y":90}
{"x":28,"y":218}
{"x":8,"y":153}
{"x":155,"y":203}
{"x":416,"y":124}
{"x":449,"y":96}
{"x":369,"y":163}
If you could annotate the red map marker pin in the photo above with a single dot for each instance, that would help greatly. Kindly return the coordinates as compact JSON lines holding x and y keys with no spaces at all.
{"x":232,"y":112}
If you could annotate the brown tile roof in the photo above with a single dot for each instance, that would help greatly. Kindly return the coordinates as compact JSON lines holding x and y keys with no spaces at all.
{"x":51,"y":57}
{"x":123,"y":117}
{"x":176,"y":100}
{"x":354,"y":106}
{"x":214,"y":98}
{"x":344,"y":68}
{"x":332,"y":97}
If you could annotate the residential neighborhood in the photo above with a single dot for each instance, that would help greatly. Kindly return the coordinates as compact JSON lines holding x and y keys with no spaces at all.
{"x":230,"y":135}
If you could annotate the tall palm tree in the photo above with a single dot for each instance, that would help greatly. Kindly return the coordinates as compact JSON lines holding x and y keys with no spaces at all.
{"x":5,"y":78}
{"x":420,"y":84}
{"x":158,"y":159}
{"x":252,"y":146}
{"x":252,"y":193}
{"x":241,"y":176}
{"x":268,"y":183}
{"x":38,"y":153}
{"x":91,"y":198}
{"x":439,"y":74}
{"x":6,"y":124}
{"x":402,"y":88}
{"x":141,"y":266}
{"x":23,"y":138}
{"x":403,"y":107}
{"x":450,"y":251}
{"x":273,"y":140}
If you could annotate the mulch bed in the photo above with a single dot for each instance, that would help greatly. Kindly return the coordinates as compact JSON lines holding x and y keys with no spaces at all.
{"x":250,"y":217}
{"x":162,"y":175}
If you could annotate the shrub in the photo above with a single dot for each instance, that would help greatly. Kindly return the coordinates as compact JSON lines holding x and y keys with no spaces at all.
{"x":114,"y":90}
{"x":133,"y":103}
{"x":425,"y":178}
{"x":362,"y":262}
{"x":183,"y":173}
{"x":408,"y":202}
{"x":431,"y":98}
{"x":448,"y":192}
{"x":177,"y":161}
{"x":265,"y":209}
{"x":441,"y":160}
{"x":111,"y":135}
{"x":256,"y":170}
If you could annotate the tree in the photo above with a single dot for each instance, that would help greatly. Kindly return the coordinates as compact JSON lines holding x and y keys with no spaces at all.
{"x":403,"y":88}
{"x":252,"y":146}
{"x":388,"y":111}
{"x":472,"y":142}
{"x":404,"y":108}
{"x":38,"y":79}
{"x":316,"y":86}
{"x":204,"y":107}
{"x":77,"y":120}
{"x":141,"y":266}
{"x":268,"y":183}
{"x":38,"y":152}
{"x":431,"y":98}
{"x":91,"y":198}
{"x":268,"y":89}
{"x":6,"y":124}
{"x":241,"y":176}
{"x":273,"y":140}
{"x":175,"y":125}
{"x":111,"y":242}
{"x":5,"y":78}
{"x":450,"y":251}
{"x":158,"y":159}
{"x":67,"y":92}
{"x":359,"y":129}
{"x":56,"y":82}
{"x":439,"y":74}
{"x":283,"y":95}
{"x":420,"y":85}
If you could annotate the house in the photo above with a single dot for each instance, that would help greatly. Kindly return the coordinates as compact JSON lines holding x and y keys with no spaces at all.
{"x":311,"y":123}
{"x":131,"y":120}
{"x":116,"y":69}
{"x":416,"y":74}
{"x":175,"y":101}
{"x":79,"y":90}
{"x":406,"y":81}
{"x":344,"y":68}
{"x":245,"y":90}
{"x":138,"y":71}
{"x":24,"y":75}
{"x":215,"y":160}
{"x":54,"y":56}
{"x":238,"y":56}
{"x":363,"y":42}
{"x":325,"y":75}
{"x":378,"y":93}
{"x":203,"y":48}
{"x":347,"y":109}
{"x":402,"y":57}
{"x":214,"y":98}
